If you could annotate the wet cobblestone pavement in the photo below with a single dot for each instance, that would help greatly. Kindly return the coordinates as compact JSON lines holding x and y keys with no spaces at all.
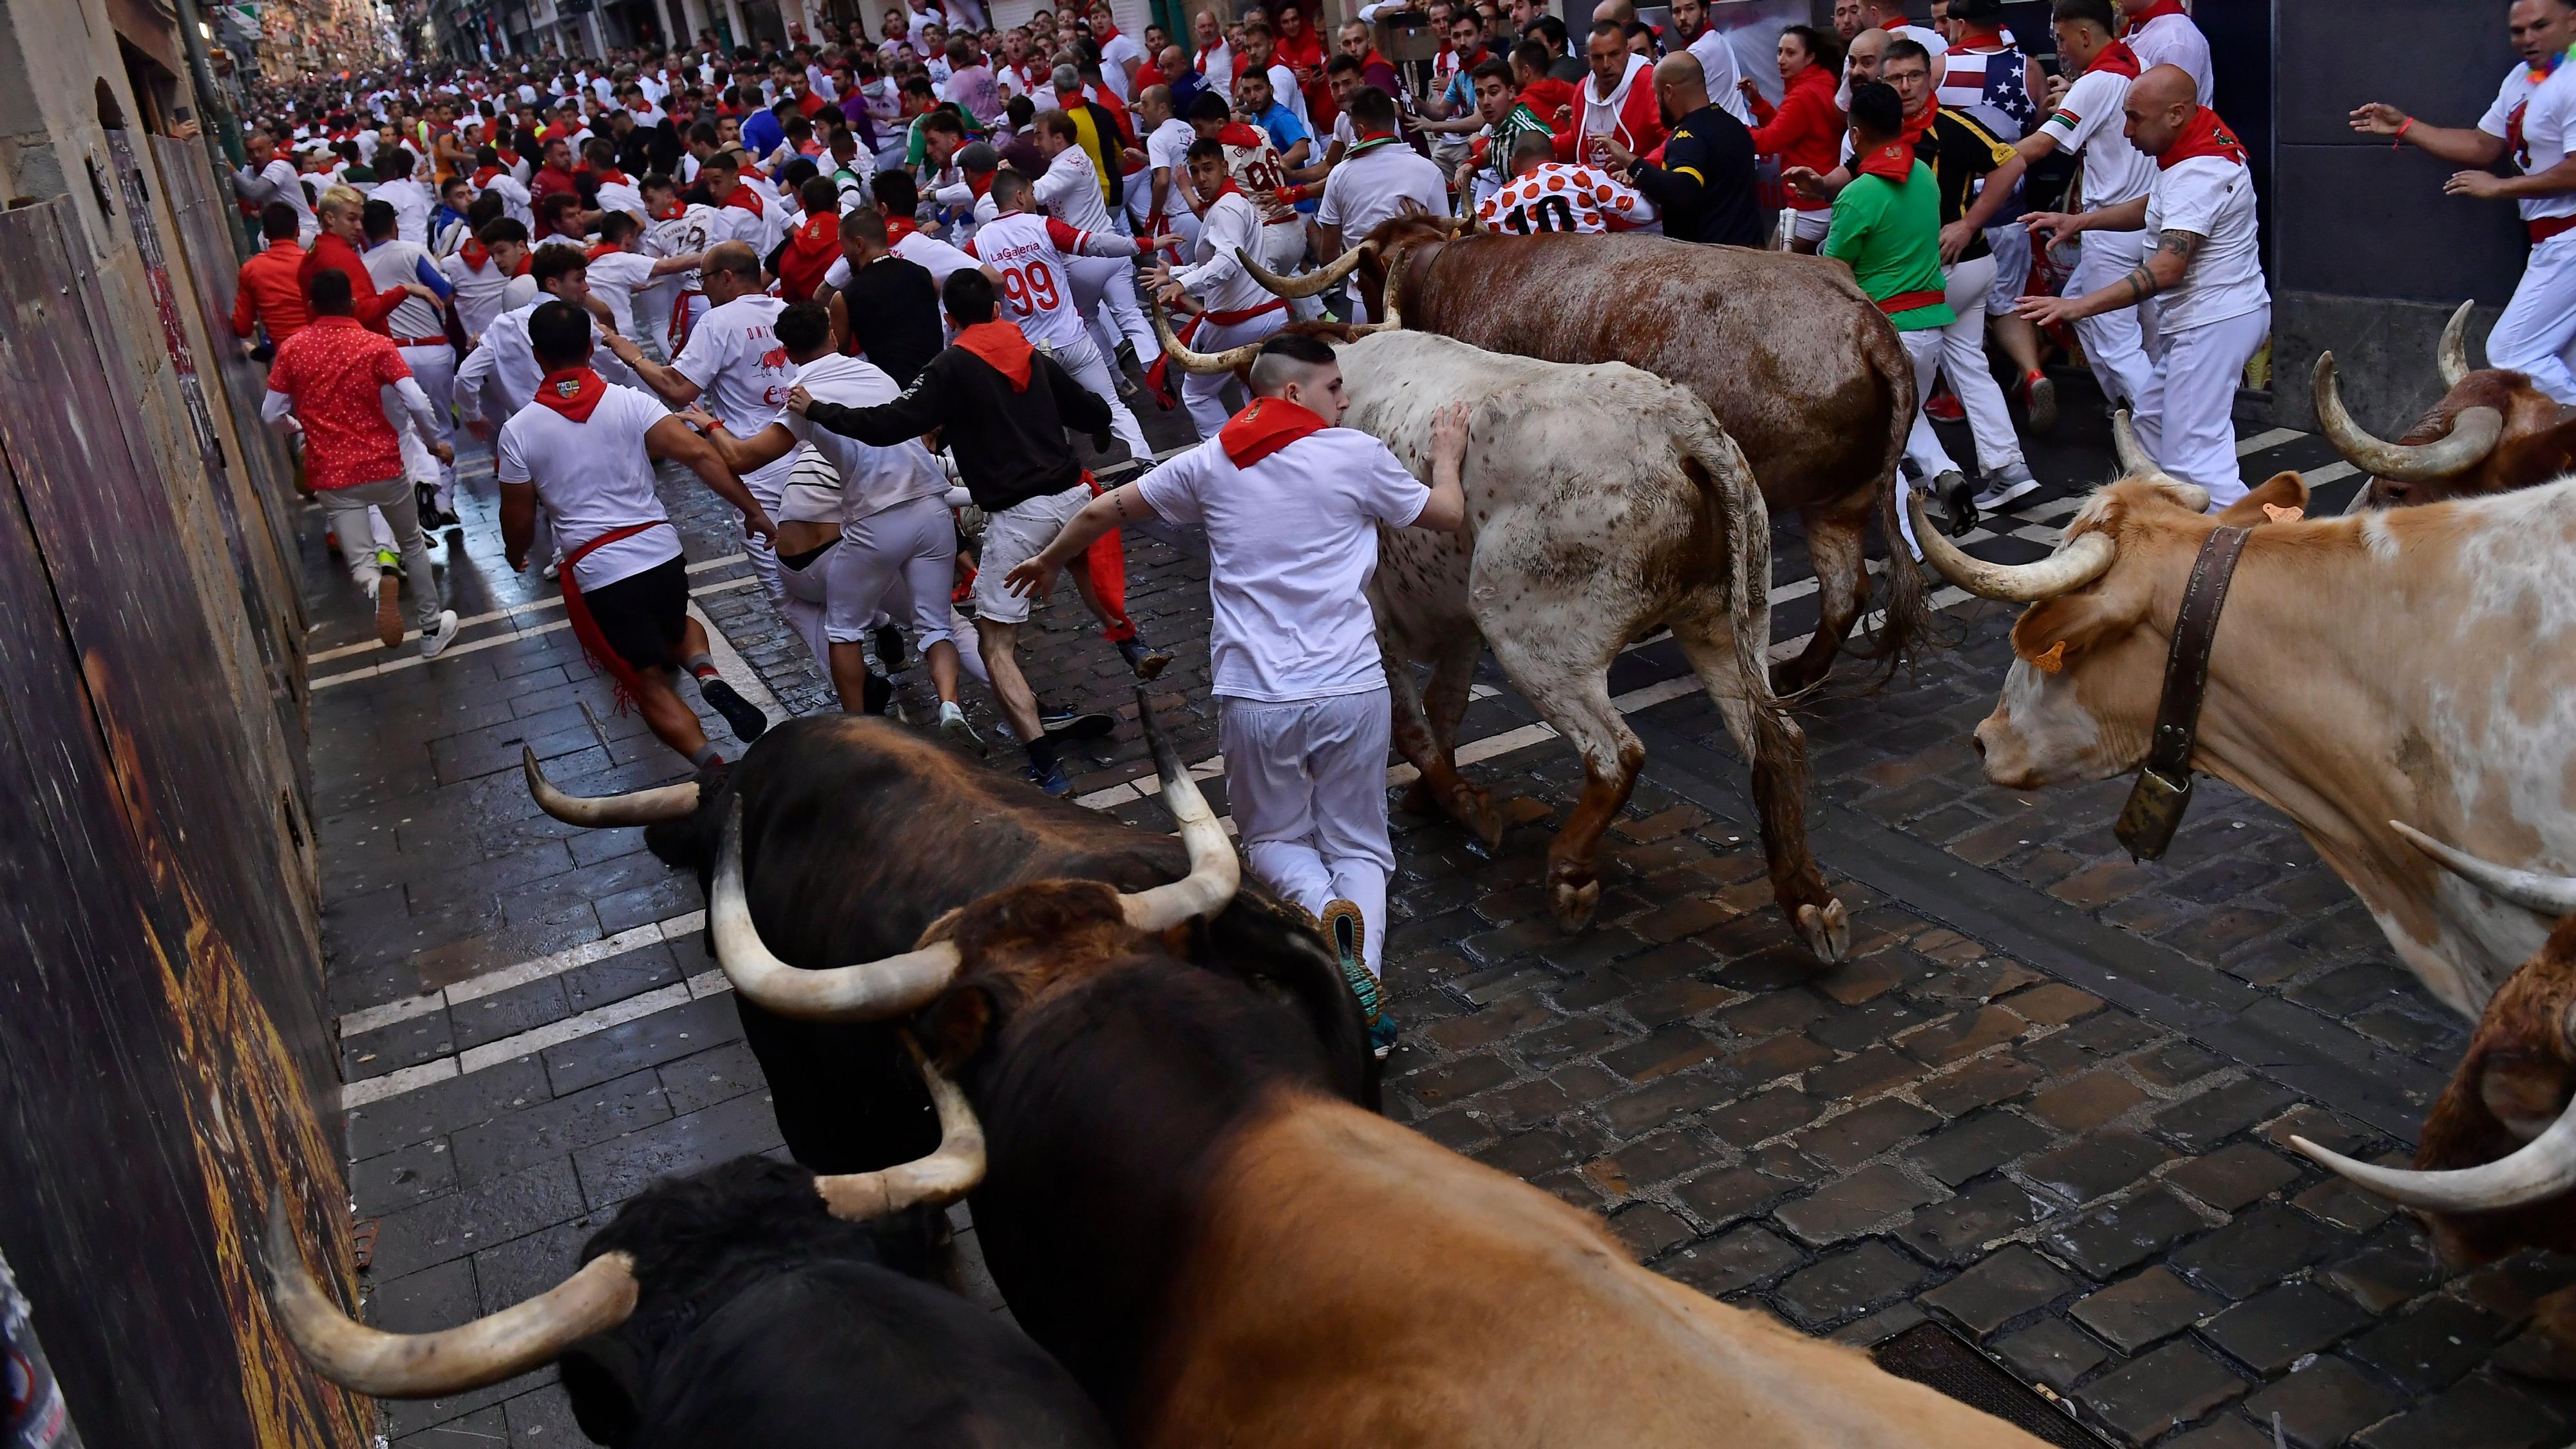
{"x":2044,"y":1103}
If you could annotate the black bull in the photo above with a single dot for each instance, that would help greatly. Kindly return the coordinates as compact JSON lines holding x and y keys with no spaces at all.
{"x":857,"y":834}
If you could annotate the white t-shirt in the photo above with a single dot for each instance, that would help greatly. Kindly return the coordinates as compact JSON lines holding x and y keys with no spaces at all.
{"x":479,"y":294}
{"x":732,"y":354}
{"x":412,"y":203}
{"x":592,"y":477}
{"x":691,"y":232}
{"x":2174,"y":40}
{"x":391,"y":263}
{"x":1029,"y":251}
{"x":1166,"y":146}
{"x":621,"y":196}
{"x":926,"y":252}
{"x":1372,"y":186}
{"x":2213,"y":197}
{"x":1070,"y":191}
{"x":1717,"y":64}
{"x":872,"y":479}
{"x":615,"y":277}
{"x":2548,"y":134}
{"x":1284,"y":90}
{"x":2088,"y":120}
{"x":1292,"y":541}
{"x":1114,"y":56}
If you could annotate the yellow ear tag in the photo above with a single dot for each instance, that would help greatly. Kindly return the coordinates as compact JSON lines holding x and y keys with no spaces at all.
{"x":2051,"y":661}
{"x":2278,"y":514}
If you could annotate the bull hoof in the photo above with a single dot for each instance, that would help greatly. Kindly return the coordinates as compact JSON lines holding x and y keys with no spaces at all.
{"x":1827,"y":930}
{"x":1574,"y":904}
{"x":1790,"y":678}
{"x":1419,"y":799}
{"x":1485,"y":818}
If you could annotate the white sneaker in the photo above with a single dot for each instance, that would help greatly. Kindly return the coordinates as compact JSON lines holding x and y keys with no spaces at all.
{"x":435,"y":641}
{"x":953,"y":722}
{"x":2003,"y":488}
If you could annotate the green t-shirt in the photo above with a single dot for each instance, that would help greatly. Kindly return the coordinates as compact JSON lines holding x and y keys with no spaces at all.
{"x":1891,"y":236}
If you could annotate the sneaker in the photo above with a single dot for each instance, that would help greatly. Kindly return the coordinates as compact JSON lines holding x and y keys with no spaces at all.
{"x":1127,"y":356}
{"x":954,"y":724}
{"x":1959,"y":498}
{"x":2040,"y":395}
{"x":740,"y":714}
{"x":389,"y":617}
{"x":1093,"y":726}
{"x":1127,"y":389}
{"x":889,"y":642}
{"x":1146,"y":662}
{"x":435,"y":642}
{"x":551,"y":571}
{"x":2002,"y":488}
{"x":1943,"y":407}
{"x":389,"y":562}
{"x":1349,"y":935}
{"x":876,"y":693}
{"x":1051,"y":780}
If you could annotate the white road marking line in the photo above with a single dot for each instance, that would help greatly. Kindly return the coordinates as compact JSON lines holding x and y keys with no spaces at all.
{"x":492,"y":983}
{"x":414,"y":661}
{"x":730,"y":663}
{"x":515,"y":611}
{"x":2272,"y":439}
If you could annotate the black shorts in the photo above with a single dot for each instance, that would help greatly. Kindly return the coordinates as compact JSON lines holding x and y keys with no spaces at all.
{"x":643,"y":616}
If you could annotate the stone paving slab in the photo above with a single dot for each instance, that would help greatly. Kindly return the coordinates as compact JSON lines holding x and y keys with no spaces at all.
{"x":2045,"y":1103}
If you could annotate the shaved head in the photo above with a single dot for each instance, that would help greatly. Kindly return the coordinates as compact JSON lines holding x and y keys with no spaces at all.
{"x":1867,"y":49}
{"x":2161,"y":102}
{"x":1681,"y":87}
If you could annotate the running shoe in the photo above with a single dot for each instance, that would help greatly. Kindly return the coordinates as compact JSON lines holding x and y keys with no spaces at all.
{"x":435,"y":642}
{"x":1349,"y":935}
{"x":740,"y":714}
{"x":2040,"y":395}
{"x":2005,"y":486}
{"x":1147,"y":662}
{"x":876,"y":693}
{"x":889,"y":642}
{"x":1051,"y":780}
{"x":1959,"y":497}
{"x":389,"y":619}
{"x":1943,"y":407}
{"x":954,"y":724}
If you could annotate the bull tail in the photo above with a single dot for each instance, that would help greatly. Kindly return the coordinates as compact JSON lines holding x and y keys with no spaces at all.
{"x":1743,"y":528}
{"x":1909,"y":612}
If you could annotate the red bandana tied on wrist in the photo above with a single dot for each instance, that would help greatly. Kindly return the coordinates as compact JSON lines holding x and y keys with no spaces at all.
{"x":1891,"y":162}
{"x":2203,"y":135}
{"x":1268,"y":425}
{"x":1004,"y":347}
{"x":572,"y":391}
{"x":2117,"y":59}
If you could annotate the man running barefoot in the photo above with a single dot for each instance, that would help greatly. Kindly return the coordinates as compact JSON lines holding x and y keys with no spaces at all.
{"x":585,"y":448}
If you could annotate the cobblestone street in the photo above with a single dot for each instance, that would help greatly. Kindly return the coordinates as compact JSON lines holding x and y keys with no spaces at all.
{"x":2044,"y":1104}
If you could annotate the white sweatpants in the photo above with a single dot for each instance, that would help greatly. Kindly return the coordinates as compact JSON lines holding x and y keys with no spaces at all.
{"x":434,"y":368}
{"x":1106,"y":287}
{"x":806,"y":601}
{"x":2114,"y":344}
{"x":1081,"y":357}
{"x":1923,"y":446}
{"x":769,"y":485}
{"x":912,"y":542}
{"x":2537,"y":332}
{"x":1307,"y":783}
{"x":1203,"y":394}
{"x":2186,"y":414}
{"x":1963,"y":357}
{"x":1283,"y":249}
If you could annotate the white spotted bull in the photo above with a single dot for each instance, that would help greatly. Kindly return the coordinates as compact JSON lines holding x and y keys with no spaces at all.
{"x":1603,"y":503}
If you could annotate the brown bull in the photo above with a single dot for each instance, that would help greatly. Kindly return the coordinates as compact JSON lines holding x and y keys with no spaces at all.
{"x":2492,"y":432}
{"x":1797,"y":364}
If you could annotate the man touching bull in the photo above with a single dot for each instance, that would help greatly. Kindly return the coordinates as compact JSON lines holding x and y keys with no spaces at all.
{"x":1292,"y":502}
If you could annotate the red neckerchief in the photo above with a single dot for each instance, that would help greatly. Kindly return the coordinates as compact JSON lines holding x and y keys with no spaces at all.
{"x":474,"y":254}
{"x":601,"y":249}
{"x":899,"y":227}
{"x":746,"y":199}
{"x":2203,"y":135}
{"x":2117,"y":59}
{"x":508,"y":156}
{"x":979,"y":182}
{"x":1891,"y":162}
{"x":1373,"y":58}
{"x":2151,"y":10}
{"x":1106,"y":36}
{"x":1917,"y":128}
{"x":1370,"y":141}
{"x":677,"y":209}
{"x":483,"y":176}
{"x":1236,"y":133}
{"x":1268,"y":425}
{"x":1228,"y":189}
{"x":612,"y":177}
{"x":1199,"y":63}
{"x":571,"y":392}
{"x":1005,"y":347}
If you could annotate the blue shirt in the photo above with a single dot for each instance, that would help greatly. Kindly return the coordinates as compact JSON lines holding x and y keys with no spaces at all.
{"x":1285,"y":130}
{"x":761,"y":133}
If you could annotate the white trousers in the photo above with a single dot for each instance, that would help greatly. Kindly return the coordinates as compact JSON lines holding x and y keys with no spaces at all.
{"x":1283,"y":250}
{"x":1923,"y":446}
{"x":2186,"y":414}
{"x":912,"y":543}
{"x":1081,"y":357}
{"x":769,"y":485}
{"x":2537,"y":332}
{"x":1105,"y":288}
{"x":1307,"y":783}
{"x":2114,"y":343}
{"x":434,"y":368}
{"x":1963,"y":357}
{"x":1203,"y":394}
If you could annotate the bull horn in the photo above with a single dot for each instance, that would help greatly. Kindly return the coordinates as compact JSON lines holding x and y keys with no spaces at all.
{"x":2549,"y":895}
{"x":2474,"y":434}
{"x":2070,"y":568}
{"x":872,"y":991}
{"x":947,"y":1174}
{"x":1305,"y":284}
{"x":498,"y":1346}
{"x":2124,"y":442}
{"x":2453,"y":353}
{"x":636,"y":807}
{"x":1208,"y":364}
{"x":1214,"y":871}
{"x":2539,"y":1170}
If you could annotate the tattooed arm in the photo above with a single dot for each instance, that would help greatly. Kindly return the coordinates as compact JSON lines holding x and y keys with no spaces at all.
{"x":2162,"y":268}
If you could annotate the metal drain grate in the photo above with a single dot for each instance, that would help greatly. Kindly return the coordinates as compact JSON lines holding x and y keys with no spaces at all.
{"x":1931,"y":1354}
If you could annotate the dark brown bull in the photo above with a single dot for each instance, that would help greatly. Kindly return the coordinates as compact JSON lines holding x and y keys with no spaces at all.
{"x":2492,"y":432}
{"x":1797,"y":364}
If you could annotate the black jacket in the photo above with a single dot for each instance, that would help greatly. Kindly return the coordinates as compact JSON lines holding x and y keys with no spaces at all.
{"x":1705,"y":188}
{"x":893,"y":308}
{"x":1010,"y":445}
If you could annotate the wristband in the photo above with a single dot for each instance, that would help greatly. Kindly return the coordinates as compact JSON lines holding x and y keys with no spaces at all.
{"x":2402,"y":127}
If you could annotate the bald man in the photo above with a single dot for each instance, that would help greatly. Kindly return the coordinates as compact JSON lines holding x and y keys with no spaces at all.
{"x":1705,"y":184}
{"x":2200,"y":287}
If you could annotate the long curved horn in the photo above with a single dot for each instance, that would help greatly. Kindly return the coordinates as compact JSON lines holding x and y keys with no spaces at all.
{"x":2453,"y":353}
{"x":2474,"y":434}
{"x":1214,"y":871}
{"x":2539,"y":1170}
{"x":2124,"y":442}
{"x":2070,"y":568}
{"x":1201,"y":362}
{"x":498,"y":1346}
{"x":636,"y":807}
{"x":873,"y":991}
{"x":2550,"y":895}
{"x":1390,"y":318}
{"x":947,"y":1174}
{"x":1305,"y":284}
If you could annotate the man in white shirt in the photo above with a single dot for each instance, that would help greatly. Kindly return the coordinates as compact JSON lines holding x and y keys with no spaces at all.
{"x":411,"y":201}
{"x":585,"y":449}
{"x":1210,"y":55}
{"x":484,"y":273}
{"x":1379,"y":178}
{"x":619,"y":270}
{"x":1228,"y":306}
{"x":1120,"y":54}
{"x":2529,"y":124}
{"x":421,"y":334}
{"x":890,"y":538}
{"x":1292,"y":504}
{"x":732,"y":356}
{"x":676,"y":228}
{"x":2161,"y":33}
{"x":2088,"y":119}
{"x":2211,"y":311}
{"x":271,"y":177}
{"x":502,"y":372}
{"x":1163,"y":202}
{"x":1716,"y":57}
{"x":1070,"y":191}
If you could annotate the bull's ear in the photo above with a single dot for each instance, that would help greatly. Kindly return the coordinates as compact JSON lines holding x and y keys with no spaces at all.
{"x":2054,"y":633}
{"x":957,"y":1024}
{"x":2281,"y":497}
{"x":603,"y":1376}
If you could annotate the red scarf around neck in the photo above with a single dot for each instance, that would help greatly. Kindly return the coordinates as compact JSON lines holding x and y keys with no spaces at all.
{"x":1893,"y":161}
{"x":2203,"y":135}
{"x":1265,"y":427}
{"x":746,"y":199}
{"x":2151,"y":10}
{"x":611,"y":177}
{"x":899,"y":227}
{"x":483,"y":176}
{"x":601,"y":249}
{"x":672,"y":212}
{"x":1005,"y":347}
{"x":2117,"y":59}
{"x":474,"y":254}
{"x":572,"y":392}
{"x":1236,"y":133}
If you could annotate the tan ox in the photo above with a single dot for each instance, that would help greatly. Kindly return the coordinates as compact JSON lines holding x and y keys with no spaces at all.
{"x":2410,"y":665}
